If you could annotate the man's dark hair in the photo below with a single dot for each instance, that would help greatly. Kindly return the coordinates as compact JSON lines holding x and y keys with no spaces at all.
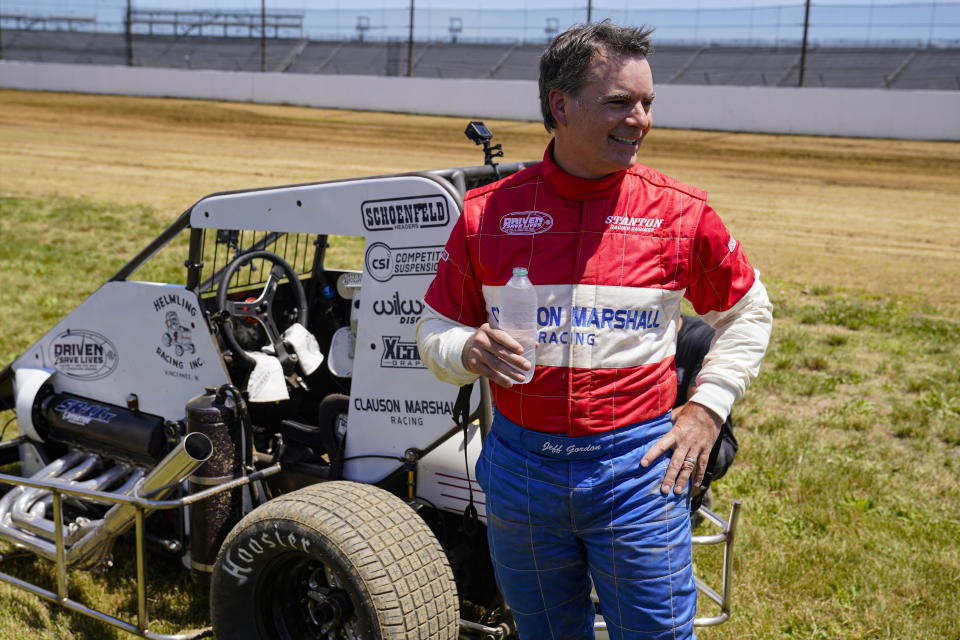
{"x":565,"y":63}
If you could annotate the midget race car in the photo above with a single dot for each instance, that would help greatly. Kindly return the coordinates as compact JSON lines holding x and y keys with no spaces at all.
{"x":266,"y":418}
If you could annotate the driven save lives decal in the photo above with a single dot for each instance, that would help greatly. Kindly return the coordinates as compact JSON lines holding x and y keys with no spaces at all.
{"x":384,"y":262}
{"x":526,"y":223}
{"x":415,"y":212}
{"x":83,"y":354}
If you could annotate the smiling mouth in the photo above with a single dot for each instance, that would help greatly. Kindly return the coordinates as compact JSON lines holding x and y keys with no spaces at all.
{"x":629,"y":141}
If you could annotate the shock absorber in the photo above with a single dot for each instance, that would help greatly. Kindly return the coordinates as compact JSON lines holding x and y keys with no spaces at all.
{"x":215,"y":414}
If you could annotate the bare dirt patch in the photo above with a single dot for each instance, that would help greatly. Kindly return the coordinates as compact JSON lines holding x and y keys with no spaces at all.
{"x":881,"y":216}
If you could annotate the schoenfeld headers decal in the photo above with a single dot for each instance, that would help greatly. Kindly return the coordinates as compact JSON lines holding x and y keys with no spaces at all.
{"x":415,"y":212}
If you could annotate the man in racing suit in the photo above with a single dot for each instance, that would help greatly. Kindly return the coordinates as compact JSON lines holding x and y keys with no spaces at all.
{"x":586,"y":471}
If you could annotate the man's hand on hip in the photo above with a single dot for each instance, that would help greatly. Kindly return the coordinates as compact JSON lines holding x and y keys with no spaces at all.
{"x":493,"y":353}
{"x":695,"y":429}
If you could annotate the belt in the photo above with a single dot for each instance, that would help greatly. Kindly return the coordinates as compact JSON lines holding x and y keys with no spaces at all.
{"x":613,"y":442}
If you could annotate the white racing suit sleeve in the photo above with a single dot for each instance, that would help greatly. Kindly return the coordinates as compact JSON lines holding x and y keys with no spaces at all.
{"x":440,"y":341}
{"x":742,"y":335}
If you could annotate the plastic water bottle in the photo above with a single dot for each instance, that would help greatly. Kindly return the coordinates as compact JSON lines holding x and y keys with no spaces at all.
{"x":518,"y":316}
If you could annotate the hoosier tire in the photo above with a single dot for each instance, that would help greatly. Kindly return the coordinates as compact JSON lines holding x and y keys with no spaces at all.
{"x":334,"y":560}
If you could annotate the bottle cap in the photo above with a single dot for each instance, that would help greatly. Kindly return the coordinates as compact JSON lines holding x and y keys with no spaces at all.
{"x":519,"y":271}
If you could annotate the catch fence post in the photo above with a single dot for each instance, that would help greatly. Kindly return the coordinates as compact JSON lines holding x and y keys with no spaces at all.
{"x":128,"y":26}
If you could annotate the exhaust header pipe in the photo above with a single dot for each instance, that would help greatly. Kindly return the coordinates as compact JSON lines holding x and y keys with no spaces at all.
{"x":93,"y":549}
{"x":95,"y":546}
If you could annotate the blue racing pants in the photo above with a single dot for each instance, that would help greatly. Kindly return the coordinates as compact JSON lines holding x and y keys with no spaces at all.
{"x":561,"y":510}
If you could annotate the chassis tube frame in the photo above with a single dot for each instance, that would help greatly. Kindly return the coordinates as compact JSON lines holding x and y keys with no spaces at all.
{"x":726,"y":537}
{"x":142,"y":506}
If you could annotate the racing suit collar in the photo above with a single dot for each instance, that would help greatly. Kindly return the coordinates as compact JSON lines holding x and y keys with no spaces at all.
{"x":572,"y":187}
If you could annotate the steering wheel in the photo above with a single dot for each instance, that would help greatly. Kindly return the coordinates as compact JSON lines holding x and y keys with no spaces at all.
{"x":261,"y":310}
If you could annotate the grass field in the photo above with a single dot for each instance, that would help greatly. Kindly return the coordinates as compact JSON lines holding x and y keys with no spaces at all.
{"x":849,"y":465}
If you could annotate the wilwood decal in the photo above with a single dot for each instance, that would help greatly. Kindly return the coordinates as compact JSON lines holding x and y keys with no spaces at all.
{"x":415,"y":212}
{"x":82,"y":354}
{"x":408,"y":310}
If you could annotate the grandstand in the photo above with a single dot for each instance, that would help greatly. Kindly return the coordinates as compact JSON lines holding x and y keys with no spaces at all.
{"x":893,"y":67}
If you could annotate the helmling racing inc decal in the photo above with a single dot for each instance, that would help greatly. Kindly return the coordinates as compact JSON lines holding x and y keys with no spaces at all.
{"x":83,"y":354}
{"x":526,"y":223}
{"x":384,"y":262}
{"x":415,"y":212}
{"x":408,"y":310}
{"x":398,"y":354}
{"x":175,"y":346}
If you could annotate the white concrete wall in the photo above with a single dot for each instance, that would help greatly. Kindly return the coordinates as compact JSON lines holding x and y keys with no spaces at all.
{"x":871,"y":113}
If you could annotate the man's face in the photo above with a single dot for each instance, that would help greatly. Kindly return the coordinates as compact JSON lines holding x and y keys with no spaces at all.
{"x":599,"y":131}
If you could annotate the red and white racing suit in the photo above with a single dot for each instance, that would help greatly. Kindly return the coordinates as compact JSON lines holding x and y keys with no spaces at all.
{"x":610,"y":260}
{"x":565,"y":494}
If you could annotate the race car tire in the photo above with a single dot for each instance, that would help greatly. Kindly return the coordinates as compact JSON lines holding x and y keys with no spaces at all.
{"x":333,"y":560}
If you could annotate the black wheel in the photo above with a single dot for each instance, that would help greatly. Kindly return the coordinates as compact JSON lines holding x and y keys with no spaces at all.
{"x":336,"y":560}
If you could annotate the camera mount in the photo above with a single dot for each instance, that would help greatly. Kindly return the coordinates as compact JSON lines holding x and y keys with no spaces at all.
{"x":481,"y":134}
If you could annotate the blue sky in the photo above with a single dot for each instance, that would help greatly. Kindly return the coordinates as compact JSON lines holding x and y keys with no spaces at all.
{"x":497,"y":4}
{"x":754,"y":21}
{"x":75,"y":5}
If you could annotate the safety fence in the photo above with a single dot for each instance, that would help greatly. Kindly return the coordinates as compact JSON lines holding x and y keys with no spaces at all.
{"x":856,"y":23}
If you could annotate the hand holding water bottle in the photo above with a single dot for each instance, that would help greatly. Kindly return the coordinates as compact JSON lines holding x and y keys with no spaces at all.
{"x":507,"y":354}
{"x":518,"y":316}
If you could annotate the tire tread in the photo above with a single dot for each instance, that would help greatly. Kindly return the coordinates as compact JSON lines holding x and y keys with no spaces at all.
{"x":398,"y":559}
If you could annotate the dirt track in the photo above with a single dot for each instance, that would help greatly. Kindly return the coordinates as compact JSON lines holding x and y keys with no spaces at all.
{"x":878,"y":215}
